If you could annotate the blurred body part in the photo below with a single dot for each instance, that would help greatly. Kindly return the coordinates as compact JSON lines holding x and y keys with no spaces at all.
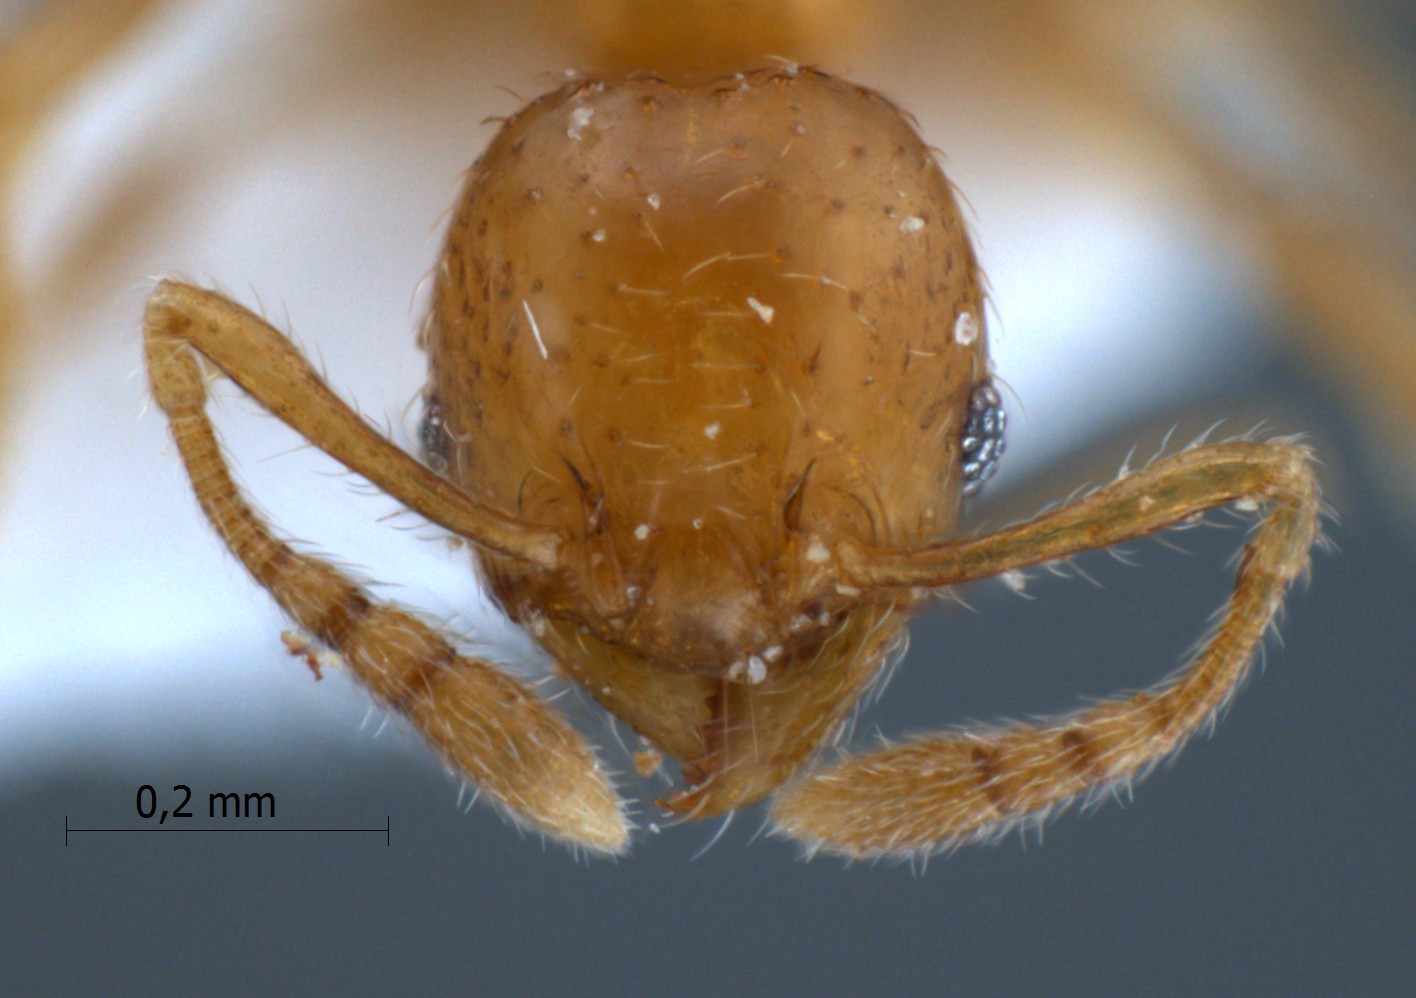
{"x":41,"y":56}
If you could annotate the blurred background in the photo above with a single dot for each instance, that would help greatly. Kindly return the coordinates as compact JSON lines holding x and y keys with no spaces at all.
{"x":1187,"y":213}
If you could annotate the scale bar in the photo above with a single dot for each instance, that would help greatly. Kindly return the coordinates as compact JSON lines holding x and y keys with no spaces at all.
{"x":387,"y":830}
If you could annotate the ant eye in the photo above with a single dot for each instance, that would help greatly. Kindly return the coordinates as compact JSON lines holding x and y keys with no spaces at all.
{"x":432,"y":436}
{"x":982,"y":445}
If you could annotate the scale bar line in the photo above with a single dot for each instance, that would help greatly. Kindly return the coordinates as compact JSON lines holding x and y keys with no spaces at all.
{"x":387,"y":830}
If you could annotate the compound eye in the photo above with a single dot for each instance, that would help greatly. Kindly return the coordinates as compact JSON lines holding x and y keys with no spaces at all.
{"x":982,"y":444}
{"x":432,"y":435}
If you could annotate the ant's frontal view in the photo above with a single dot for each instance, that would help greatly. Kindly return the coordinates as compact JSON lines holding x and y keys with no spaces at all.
{"x":708,"y":380}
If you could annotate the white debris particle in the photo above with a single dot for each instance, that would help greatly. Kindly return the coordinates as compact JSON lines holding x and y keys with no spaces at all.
{"x":773,"y":653}
{"x":579,"y":118}
{"x":318,"y":659}
{"x":698,"y":523}
{"x":1015,"y":580}
{"x":816,"y":552}
{"x":712,"y":430}
{"x":799,"y":128}
{"x":632,"y":593}
{"x":1248,"y":504}
{"x":598,"y":235}
{"x":756,"y":670}
{"x":845,"y":590}
{"x":965,"y":329}
{"x":641,"y":532}
{"x":911,"y":225}
{"x":764,"y":312}
{"x":735,"y":670}
{"x":654,"y":201}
